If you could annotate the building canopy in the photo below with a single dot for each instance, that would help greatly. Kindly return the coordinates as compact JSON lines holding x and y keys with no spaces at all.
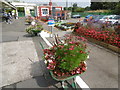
{"x":6,"y":5}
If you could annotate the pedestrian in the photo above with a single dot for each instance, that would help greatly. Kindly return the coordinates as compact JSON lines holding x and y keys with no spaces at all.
{"x":6,"y":17}
{"x":9,"y":17}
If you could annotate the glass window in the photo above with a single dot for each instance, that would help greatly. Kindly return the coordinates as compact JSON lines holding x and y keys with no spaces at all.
{"x":63,"y":14}
{"x":57,"y":9}
{"x":58,"y":14}
{"x":45,"y":11}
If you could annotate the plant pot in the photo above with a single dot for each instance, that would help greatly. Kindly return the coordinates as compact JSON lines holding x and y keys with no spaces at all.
{"x":67,"y":75}
{"x":62,"y":78}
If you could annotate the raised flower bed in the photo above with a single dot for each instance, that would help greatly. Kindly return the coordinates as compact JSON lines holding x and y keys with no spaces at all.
{"x":34,"y":29}
{"x":28,"y":20}
{"x":65,"y":26}
{"x":67,"y":58}
{"x":107,"y":39}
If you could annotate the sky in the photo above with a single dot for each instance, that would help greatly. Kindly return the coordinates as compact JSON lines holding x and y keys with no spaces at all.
{"x":80,"y":3}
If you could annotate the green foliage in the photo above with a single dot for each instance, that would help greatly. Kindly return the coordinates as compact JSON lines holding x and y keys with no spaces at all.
{"x":34,"y":29}
{"x":78,"y":9}
{"x":103,"y":5}
{"x":117,"y":9}
{"x":68,"y":8}
{"x":75,"y":5}
{"x":87,"y":8}
{"x":72,"y":58}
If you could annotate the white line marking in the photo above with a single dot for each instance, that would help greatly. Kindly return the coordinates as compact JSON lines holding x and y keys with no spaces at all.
{"x":47,"y":42}
{"x":78,"y":79}
{"x":81,"y":83}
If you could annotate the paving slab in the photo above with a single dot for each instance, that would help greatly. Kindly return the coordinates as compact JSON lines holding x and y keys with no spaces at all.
{"x":9,"y":38}
{"x":38,"y":82}
{"x":18,"y":59}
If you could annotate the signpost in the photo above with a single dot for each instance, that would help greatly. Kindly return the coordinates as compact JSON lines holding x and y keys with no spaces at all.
{"x":51,"y":23}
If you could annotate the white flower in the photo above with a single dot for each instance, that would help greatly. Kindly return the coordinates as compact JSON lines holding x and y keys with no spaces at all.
{"x":45,"y":61}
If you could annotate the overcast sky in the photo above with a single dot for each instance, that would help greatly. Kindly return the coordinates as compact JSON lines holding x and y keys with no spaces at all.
{"x":56,"y":0}
{"x":80,"y":3}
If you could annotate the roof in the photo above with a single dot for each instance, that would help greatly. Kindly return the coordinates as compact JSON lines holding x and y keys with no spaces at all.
{"x":23,"y":4}
{"x":7,"y":4}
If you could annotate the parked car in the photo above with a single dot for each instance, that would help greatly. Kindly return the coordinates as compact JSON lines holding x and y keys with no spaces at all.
{"x":97,"y":18}
{"x":114,"y":20}
{"x":76,"y":16}
{"x":106,"y":18}
{"x":88,"y":18}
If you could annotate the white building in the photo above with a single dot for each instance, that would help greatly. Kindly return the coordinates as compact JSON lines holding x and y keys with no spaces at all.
{"x":27,"y":8}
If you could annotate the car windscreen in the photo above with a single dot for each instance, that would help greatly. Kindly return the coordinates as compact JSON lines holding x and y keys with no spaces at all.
{"x":117,"y":17}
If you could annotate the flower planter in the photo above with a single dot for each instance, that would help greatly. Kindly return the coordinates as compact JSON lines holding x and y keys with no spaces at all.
{"x":62,"y":78}
{"x":108,"y":46}
{"x":114,"y":48}
{"x":104,"y":44}
{"x":93,"y":40}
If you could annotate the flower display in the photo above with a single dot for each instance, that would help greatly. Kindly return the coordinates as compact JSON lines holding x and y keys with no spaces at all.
{"x":105,"y":36}
{"x":65,"y":26}
{"x":34,"y":29}
{"x":67,"y":57}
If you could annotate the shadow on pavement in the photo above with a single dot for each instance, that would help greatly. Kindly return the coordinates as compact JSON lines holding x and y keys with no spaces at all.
{"x":42,"y":76}
{"x":28,"y":35}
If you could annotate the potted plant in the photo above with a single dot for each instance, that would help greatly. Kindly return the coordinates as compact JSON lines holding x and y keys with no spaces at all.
{"x":33,"y":30}
{"x":67,"y":58}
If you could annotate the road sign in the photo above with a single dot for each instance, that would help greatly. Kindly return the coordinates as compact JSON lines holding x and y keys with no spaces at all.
{"x":51,"y":22}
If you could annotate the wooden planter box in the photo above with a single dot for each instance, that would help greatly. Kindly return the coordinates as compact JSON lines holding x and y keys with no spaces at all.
{"x":104,"y":44}
{"x":114,"y":48}
{"x":111,"y":47}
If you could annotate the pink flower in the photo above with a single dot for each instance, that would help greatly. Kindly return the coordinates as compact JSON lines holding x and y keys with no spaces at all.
{"x":71,"y":48}
{"x":65,"y":53}
{"x":71,"y":42}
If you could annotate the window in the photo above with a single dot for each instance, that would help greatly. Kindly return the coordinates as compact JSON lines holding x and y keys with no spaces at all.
{"x":58,"y":14}
{"x":63,"y":14}
{"x":45,"y":11}
{"x":57,"y":9}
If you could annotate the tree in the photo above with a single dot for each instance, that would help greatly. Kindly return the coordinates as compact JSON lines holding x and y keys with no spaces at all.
{"x":117,"y":9}
{"x":74,"y":7}
{"x":96,"y":5}
{"x":103,"y":5}
{"x":87,"y":8}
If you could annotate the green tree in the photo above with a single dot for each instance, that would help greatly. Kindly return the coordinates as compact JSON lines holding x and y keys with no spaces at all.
{"x":74,"y":7}
{"x":117,"y":9}
{"x":96,"y":5}
{"x":103,"y":5}
{"x":87,"y":8}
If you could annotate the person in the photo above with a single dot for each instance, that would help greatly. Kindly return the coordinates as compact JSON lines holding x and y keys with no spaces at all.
{"x":5,"y":16}
{"x":9,"y":17}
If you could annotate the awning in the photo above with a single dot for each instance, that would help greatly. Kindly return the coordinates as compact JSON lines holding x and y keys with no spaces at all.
{"x":7,"y":4}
